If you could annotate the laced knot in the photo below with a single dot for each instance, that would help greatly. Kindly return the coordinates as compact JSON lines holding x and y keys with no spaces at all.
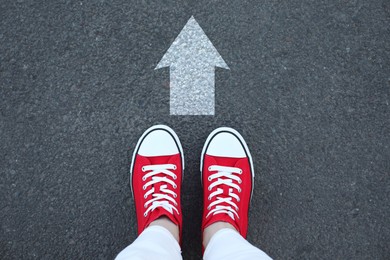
{"x":224,"y":177}
{"x":161,"y":187}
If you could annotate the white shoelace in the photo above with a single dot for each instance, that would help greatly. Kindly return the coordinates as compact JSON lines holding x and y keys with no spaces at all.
{"x":224,"y":176}
{"x":164,"y":197}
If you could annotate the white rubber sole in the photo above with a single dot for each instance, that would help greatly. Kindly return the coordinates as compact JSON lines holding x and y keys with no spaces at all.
{"x":149,"y":130}
{"x":242,"y":141}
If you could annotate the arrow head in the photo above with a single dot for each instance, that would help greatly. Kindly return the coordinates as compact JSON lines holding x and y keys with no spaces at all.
{"x":192,"y":46}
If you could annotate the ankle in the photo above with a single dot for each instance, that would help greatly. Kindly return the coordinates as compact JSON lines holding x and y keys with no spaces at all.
{"x":209,"y":231}
{"x":167,"y":224}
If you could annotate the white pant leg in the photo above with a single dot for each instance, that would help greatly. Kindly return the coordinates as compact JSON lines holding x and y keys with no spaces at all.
{"x":228,"y":244}
{"x":154,"y":242}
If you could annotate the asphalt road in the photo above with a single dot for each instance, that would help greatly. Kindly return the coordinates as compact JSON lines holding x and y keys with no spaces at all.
{"x":308,"y":88}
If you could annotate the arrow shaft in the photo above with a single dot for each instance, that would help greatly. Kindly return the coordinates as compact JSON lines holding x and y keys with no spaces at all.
{"x":192,"y":91}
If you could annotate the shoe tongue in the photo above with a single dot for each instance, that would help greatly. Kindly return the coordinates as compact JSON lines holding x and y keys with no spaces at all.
{"x":229,"y":162}
{"x":157,"y":186}
{"x":225,"y":189}
{"x":225,"y":194}
{"x":163,"y":160}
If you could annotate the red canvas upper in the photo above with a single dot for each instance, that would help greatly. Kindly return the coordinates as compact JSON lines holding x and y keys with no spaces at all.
{"x":240,"y":222}
{"x":140,"y":193}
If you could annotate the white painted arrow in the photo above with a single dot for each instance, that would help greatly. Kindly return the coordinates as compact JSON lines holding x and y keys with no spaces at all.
{"x":192,"y":59}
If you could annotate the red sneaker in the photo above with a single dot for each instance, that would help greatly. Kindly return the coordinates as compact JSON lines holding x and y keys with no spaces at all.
{"x":155,"y":176}
{"x":227,"y":177}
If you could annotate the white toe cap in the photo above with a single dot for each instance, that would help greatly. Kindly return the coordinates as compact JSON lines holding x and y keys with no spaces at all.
{"x":158,"y":142}
{"x":226,"y":144}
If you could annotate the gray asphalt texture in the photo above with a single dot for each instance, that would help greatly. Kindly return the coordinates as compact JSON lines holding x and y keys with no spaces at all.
{"x":308,"y":88}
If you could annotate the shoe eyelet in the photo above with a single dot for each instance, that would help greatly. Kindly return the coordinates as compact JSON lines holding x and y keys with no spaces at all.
{"x":174,"y":195}
{"x":144,"y":187}
{"x":143,"y":169}
{"x":208,"y":208}
{"x":145,"y":206}
{"x":209,"y":188}
{"x":239,"y":190}
{"x":209,"y":168}
{"x":145,"y":214}
{"x":209,"y":178}
{"x":145,"y":196}
{"x":174,"y":186}
{"x":239,"y":181}
{"x":174,"y":167}
{"x":175,"y":177}
{"x":209,"y":198}
{"x":143,"y":178}
{"x":238,"y":199}
{"x":240,"y":171}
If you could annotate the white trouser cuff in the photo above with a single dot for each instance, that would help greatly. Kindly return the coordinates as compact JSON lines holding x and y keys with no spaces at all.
{"x":155,"y":242}
{"x":229,"y":244}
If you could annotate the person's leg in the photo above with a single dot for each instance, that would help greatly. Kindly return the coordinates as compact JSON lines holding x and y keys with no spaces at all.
{"x":227,"y":178}
{"x":155,"y":179}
